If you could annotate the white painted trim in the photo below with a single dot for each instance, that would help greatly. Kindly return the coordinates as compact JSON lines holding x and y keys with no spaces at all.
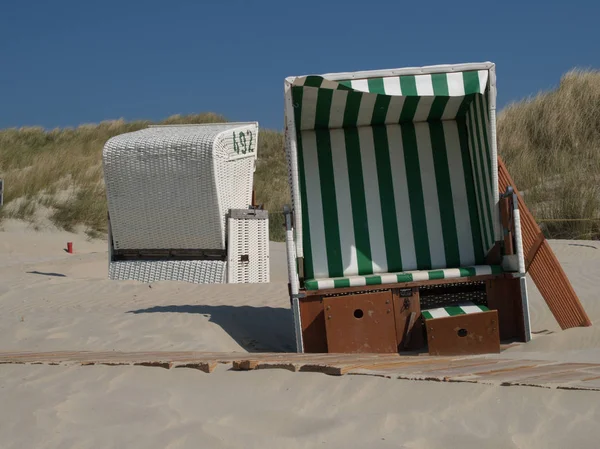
{"x":525,"y":303}
{"x":292,"y":151}
{"x":443,"y":68}
{"x":494,"y":151}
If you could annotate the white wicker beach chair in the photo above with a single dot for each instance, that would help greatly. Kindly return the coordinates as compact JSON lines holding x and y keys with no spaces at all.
{"x":394,"y":185}
{"x":178,"y":201}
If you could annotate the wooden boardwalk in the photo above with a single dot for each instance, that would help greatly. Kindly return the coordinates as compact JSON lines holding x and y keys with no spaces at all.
{"x":474,"y":369}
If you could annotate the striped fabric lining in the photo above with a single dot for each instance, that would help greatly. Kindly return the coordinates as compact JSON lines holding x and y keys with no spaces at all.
{"x":388,"y":199}
{"x":395,"y":173}
{"x":465,"y":308}
{"x":394,"y":278}
{"x":329,"y":104}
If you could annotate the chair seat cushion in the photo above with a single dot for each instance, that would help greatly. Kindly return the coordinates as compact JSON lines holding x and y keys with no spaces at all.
{"x":464,"y":308}
{"x":407,"y":276}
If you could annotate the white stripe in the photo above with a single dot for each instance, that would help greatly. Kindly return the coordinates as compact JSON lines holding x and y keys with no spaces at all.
{"x":483,"y":79}
{"x":309,"y":108}
{"x":452,"y":108}
{"x":484,"y":170}
{"x":357,"y":281}
{"x":456,"y":85}
{"x":344,"y":202}
{"x":372,"y":197}
{"x":365,"y":112}
{"x":338,"y":106}
{"x":327,"y":84}
{"x":326,"y":283}
{"x":482,"y":270}
{"x":401,"y":198}
{"x":451,"y":273}
{"x":361,"y":85}
{"x":388,"y":278}
{"x":477,"y":175}
{"x":421,"y":275}
{"x":394,"y":109}
{"x":424,"y":85}
{"x":438,"y":313}
{"x":423,"y":109}
{"x":430,"y":196}
{"x":314,"y":204}
{"x":459,"y":194}
{"x":391,"y":86}
{"x":299,"y":81}
{"x":470,"y":308}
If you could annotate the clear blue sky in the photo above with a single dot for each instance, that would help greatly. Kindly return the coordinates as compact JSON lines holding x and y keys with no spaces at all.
{"x":64,"y":63}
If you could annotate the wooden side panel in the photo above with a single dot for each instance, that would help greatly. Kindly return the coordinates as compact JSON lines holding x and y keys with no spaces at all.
{"x":409,"y":323}
{"x":504,"y":295}
{"x":362,"y":323}
{"x":546,"y":272}
{"x":313,"y":324}
{"x":476,"y":333}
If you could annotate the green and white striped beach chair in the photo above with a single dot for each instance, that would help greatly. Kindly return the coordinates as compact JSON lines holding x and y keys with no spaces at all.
{"x":394,"y":180}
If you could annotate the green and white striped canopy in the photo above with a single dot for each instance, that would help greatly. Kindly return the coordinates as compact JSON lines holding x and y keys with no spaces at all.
{"x":396,"y":173}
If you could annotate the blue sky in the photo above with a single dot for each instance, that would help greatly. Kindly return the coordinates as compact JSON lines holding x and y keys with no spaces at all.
{"x":65,"y":63}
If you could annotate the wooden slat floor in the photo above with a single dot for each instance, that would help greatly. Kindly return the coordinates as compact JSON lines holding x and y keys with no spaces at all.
{"x":475,"y":369}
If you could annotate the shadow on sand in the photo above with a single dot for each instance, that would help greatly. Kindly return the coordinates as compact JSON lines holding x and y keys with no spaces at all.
{"x":256,"y":329}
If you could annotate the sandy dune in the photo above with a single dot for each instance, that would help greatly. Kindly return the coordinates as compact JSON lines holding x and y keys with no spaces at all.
{"x":51,"y":300}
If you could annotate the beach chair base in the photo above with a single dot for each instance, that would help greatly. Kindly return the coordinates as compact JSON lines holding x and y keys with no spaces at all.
{"x":384,"y":319}
{"x":475,"y":333}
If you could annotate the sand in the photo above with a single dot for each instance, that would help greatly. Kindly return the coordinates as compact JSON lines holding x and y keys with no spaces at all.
{"x":51,"y":300}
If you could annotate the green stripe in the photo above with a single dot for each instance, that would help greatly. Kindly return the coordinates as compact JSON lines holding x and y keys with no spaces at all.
{"x":440,"y":90}
{"x":488,"y":158}
{"x":352,"y":108}
{"x":346,"y":83}
{"x":404,"y":277}
{"x":408,"y":87}
{"x":417,"y":202}
{"x":359,"y":203}
{"x":297,"y":94}
{"x":323,"y":111}
{"x":486,"y":187}
{"x":471,"y":82}
{"x":444,"y":192}
{"x":434,"y":275}
{"x":477,"y":174}
{"x":311,"y":285}
{"x":376,"y":85}
{"x":464,"y":106}
{"x":497,"y":269}
{"x":470,"y":187}
{"x":373,"y":280}
{"x":313,"y":81}
{"x":341,"y":283}
{"x":469,"y":271}
{"x":427,"y":315}
{"x":454,"y":310}
{"x":386,"y":197}
{"x":382,"y":103}
{"x":329,"y":203}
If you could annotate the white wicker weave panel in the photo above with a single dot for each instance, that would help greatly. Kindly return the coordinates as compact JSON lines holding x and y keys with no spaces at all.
{"x":195,"y":271}
{"x":171,"y":187}
{"x":248,"y":237}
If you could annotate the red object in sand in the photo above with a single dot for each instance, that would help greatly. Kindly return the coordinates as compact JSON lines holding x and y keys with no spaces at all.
{"x":70,"y":247}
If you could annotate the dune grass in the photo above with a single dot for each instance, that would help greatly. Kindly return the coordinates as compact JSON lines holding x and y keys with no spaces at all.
{"x":58,"y":173}
{"x":550,"y":144}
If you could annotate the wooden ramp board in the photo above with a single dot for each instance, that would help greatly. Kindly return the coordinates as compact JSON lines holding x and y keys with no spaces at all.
{"x":543,"y":266}
{"x":473,"y":369}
